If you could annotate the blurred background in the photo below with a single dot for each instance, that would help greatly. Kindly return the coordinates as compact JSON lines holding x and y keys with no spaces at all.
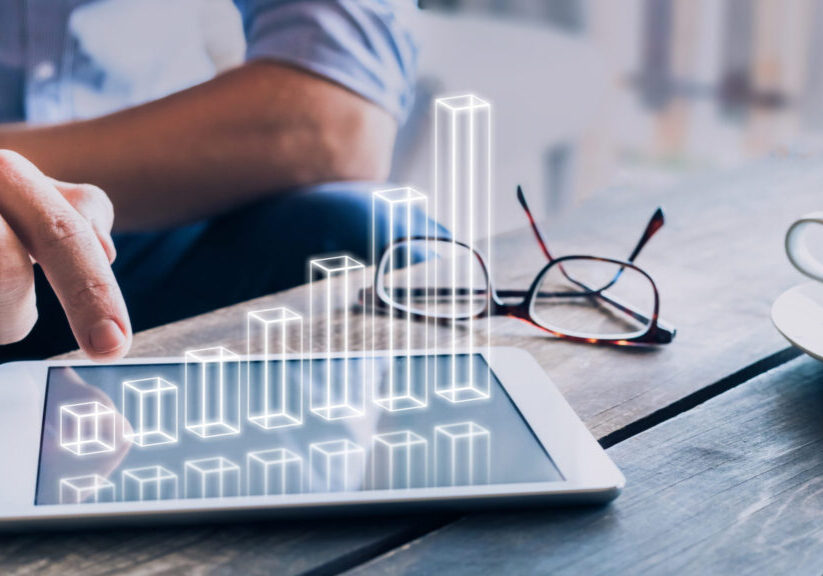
{"x":635,"y":94}
{"x":587,"y":94}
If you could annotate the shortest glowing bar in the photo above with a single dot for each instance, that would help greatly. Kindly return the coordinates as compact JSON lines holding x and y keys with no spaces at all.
{"x":149,"y":483}
{"x":87,"y":428}
{"x":150,"y":411}
{"x":84,"y":489}
{"x":336,"y":466}
{"x":212,"y":392}
{"x":399,"y":461}
{"x":273,"y":472}
{"x":275,"y":385}
{"x":462,"y":454}
{"x":338,"y":385}
{"x":211,"y":478}
{"x":401,"y":279}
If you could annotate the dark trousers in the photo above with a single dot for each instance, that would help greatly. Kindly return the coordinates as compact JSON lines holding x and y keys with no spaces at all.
{"x":257,"y":250}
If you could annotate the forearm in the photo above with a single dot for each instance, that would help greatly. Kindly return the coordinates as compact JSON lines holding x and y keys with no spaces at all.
{"x":249,"y":133}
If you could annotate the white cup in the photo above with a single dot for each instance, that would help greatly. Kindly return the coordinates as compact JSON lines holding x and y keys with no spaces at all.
{"x":797,"y":246}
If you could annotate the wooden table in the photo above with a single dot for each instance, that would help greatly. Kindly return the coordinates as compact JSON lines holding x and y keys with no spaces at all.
{"x":719,"y":434}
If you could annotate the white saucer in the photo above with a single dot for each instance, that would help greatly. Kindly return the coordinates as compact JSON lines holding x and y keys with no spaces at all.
{"x":798,"y":315}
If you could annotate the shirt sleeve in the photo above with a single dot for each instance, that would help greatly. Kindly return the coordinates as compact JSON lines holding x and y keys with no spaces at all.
{"x":364,"y":45}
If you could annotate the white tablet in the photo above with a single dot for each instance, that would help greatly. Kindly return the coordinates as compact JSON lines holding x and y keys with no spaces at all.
{"x":223,"y":437}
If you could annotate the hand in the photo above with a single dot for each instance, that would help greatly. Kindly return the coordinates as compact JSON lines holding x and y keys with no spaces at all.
{"x":66,"y":228}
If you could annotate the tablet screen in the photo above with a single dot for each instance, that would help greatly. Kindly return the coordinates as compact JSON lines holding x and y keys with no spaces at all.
{"x":218,"y":428}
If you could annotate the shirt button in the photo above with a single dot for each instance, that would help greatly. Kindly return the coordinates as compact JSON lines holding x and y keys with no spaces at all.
{"x":44,"y":71}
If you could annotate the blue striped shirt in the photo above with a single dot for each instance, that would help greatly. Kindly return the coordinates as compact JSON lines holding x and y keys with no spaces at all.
{"x":63,"y":59}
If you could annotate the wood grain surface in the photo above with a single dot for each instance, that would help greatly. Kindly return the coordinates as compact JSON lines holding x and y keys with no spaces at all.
{"x":734,"y":486}
{"x":718,"y":263}
{"x":324,"y":546}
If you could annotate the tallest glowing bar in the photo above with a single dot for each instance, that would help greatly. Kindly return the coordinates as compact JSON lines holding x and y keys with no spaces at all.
{"x":463,"y":203}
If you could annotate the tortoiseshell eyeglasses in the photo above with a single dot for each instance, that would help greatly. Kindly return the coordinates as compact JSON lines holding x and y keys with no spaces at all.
{"x":579,"y":298}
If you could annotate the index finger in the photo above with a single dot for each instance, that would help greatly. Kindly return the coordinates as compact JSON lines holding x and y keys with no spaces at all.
{"x":66,"y":247}
{"x":93,"y":205}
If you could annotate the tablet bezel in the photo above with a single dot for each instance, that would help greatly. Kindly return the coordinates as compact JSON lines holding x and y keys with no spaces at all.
{"x":589,"y":474}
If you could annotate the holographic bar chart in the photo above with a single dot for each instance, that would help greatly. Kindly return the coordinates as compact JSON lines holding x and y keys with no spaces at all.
{"x":275,"y":385}
{"x":337,"y":380}
{"x":315,"y":405}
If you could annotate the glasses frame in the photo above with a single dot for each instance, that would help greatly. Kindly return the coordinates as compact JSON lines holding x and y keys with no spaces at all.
{"x":655,"y":332}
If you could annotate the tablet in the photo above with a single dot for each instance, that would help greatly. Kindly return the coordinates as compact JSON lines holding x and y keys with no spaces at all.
{"x":194,"y":439}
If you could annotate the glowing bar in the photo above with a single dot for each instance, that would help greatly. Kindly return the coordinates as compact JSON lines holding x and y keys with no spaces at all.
{"x":87,"y":428}
{"x":405,"y":386}
{"x":338,"y":385}
{"x":399,"y":461}
{"x":91,"y":488}
{"x":150,"y":411}
{"x":211,"y":478}
{"x":212,"y":392}
{"x":336,"y":466}
{"x":273,"y":472}
{"x":275,"y":385}
{"x":149,"y":483}
{"x":462,"y":454}
{"x":463,"y":203}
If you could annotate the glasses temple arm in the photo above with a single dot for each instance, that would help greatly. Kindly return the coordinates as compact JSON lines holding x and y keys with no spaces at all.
{"x":655,"y":223}
{"x":538,"y":236}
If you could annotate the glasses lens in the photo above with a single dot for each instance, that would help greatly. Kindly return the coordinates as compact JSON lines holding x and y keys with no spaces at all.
{"x":596,"y":299}
{"x":436,"y":278}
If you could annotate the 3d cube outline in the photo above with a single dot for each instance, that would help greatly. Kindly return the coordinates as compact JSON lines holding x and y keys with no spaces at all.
{"x":463,"y":181}
{"x":208,"y":470}
{"x":338,"y":397}
{"x":399,"y":460}
{"x":290,"y":412}
{"x":98,"y":418}
{"x":166,"y":413}
{"x":78,"y":489}
{"x":227,"y":400}
{"x":407,"y":389}
{"x":405,"y":385}
{"x":466,"y":459}
{"x":340,"y":465}
{"x":160,"y":482}
{"x":278,"y":466}
{"x":467,"y":378}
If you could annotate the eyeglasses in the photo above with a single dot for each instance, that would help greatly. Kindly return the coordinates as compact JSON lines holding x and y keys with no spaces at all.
{"x":579,"y":298}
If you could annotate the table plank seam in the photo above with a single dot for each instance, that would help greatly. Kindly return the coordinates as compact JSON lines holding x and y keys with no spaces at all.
{"x":364,"y":555}
{"x":727,"y":383}
{"x":700,"y":396}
